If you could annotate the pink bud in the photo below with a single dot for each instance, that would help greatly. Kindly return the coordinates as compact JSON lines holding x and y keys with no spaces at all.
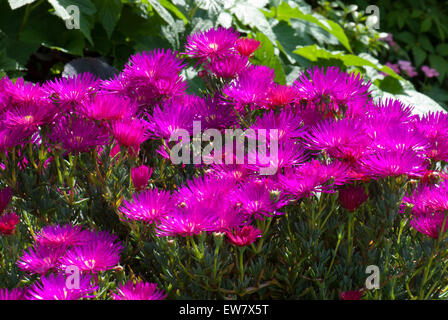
{"x":351,"y":295}
{"x":140,"y":176}
{"x":352,"y":197}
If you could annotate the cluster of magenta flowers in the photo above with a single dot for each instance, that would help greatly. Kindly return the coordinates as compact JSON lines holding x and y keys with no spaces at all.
{"x":332,"y":138}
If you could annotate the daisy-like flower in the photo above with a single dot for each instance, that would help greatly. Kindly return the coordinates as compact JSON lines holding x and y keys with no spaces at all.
{"x":393,"y":163}
{"x":251,"y":88}
{"x":244,"y":236}
{"x":434,"y":128}
{"x":140,"y":176}
{"x":389,"y":112}
{"x":212,"y":44}
{"x":153,"y":76}
{"x":227,"y":67}
{"x":13,"y":294}
{"x":427,"y":199}
{"x":41,"y":259}
{"x":430,"y":224}
{"x":99,"y":253}
{"x":23,"y":93}
{"x":130,"y":133}
{"x":54,"y":287}
{"x":115,"y":86}
{"x":138,"y":291}
{"x":400,"y":137}
{"x":282,"y":96}
{"x":109,"y":107}
{"x":5,"y":198}
{"x":28,"y":117}
{"x":148,"y":206}
{"x":351,"y":197}
{"x":72,"y":91}
{"x":255,"y":200}
{"x":8,"y":223}
{"x":78,"y":134}
{"x":236,"y":172}
{"x":288,"y":125}
{"x":59,"y":236}
{"x":187,"y":222}
{"x":178,"y":113}
{"x":342,"y":139}
{"x":332,"y":90}
{"x":215,"y":113}
{"x":247,"y":46}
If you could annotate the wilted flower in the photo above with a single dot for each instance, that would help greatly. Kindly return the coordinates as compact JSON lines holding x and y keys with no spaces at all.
{"x":351,"y":197}
{"x":351,"y":295}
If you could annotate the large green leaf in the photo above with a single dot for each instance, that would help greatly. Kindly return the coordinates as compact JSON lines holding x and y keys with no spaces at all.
{"x":286,"y":12}
{"x":314,"y":53}
{"x":86,"y":10}
{"x":109,"y":13}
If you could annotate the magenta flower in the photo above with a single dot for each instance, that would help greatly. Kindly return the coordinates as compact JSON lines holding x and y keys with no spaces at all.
{"x":227,"y":67}
{"x":138,"y":291}
{"x":351,"y":197}
{"x":148,"y":206}
{"x":59,"y":236}
{"x":254,"y":200}
{"x":109,"y":107}
{"x":288,"y":125}
{"x":41,"y":259}
{"x":28,"y":117}
{"x":71,"y":92}
{"x":428,"y":199}
{"x":5,"y":198}
{"x":429,"y":72}
{"x":99,"y":254}
{"x":13,"y":294}
{"x":23,"y":93}
{"x":282,"y":96}
{"x":243,"y":236}
{"x":153,"y":76}
{"x":140,"y":177}
{"x":430,"y":224}
{"x":187,"y":222}
{"x":78,"y":134}
{"x":247,"y":46}
{"x":332,"y":90}
{"x":212,"y":44}
{"x":342,"y":139}
{"x":130,"y":133}
{"x":393,"y":163}
{"x":389,"y":112}
{"x":251,"y":88}
{"x":54,"y":287}
{"x":8,"y":223}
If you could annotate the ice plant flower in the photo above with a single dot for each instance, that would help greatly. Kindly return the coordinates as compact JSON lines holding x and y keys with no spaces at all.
{"x":54,"y":287}
{"x":41,"y":259}
{"x":153,"y":76}
{"x":288,"y":125}
{"x":211,"y":44}
{"x":109,"y":107}
{"x":130,"y":133}
{"x":99,"y":254}
{"x":227,"y":67}
{"x":8,"y":223}
{"x":148,"y":206}
{"x":138,"y":291}
{"x":71,"y":92}
{"x":430,"y":224}
{"x":351,"y":197}
{"x":78,"y":134}
{"x":244,"y":236}
{"x":140,"y":176}
{"x":13,"y":294}
{"x":282,"y":96}
{"x":59,"y":236}
{"x":247,"y":46}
